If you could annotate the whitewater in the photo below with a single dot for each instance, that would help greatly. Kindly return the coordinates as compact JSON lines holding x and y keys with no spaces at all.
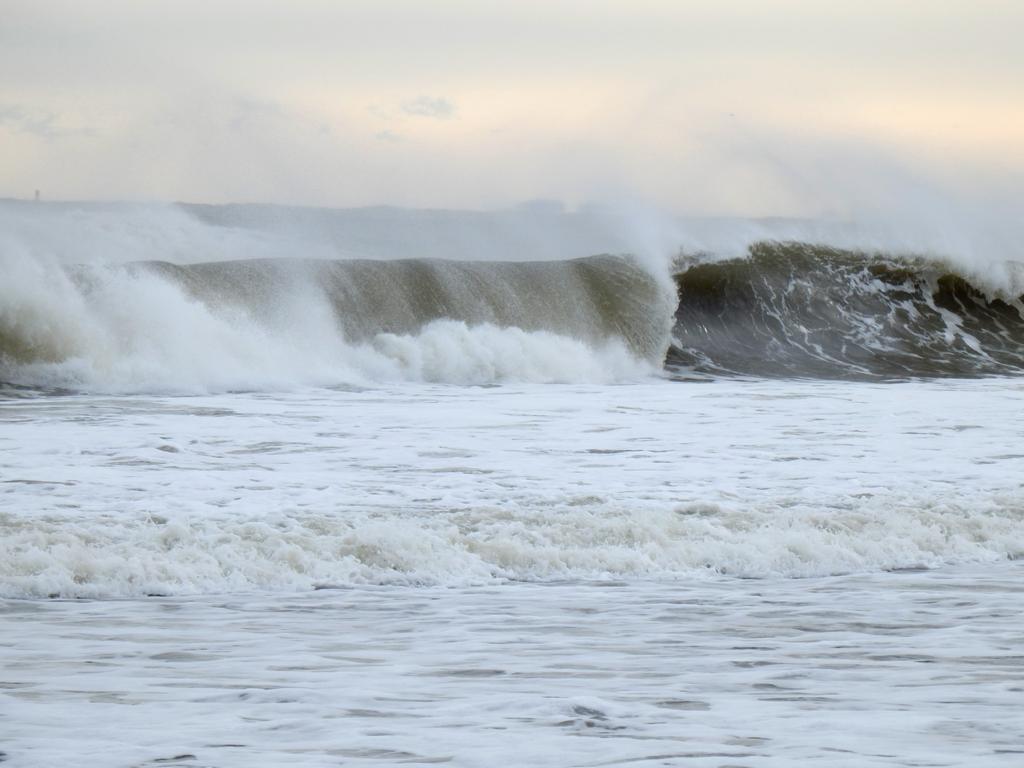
{"x":375,"y":487}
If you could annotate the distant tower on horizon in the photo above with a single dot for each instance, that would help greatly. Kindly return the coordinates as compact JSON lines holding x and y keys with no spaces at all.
{"x":37,"y":195}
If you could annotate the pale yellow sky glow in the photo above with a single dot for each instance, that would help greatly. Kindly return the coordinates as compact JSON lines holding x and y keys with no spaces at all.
{"x":711,"y":107}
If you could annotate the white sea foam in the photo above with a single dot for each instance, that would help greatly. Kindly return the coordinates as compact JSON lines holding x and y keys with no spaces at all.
{"x":112,"y":557}
{"x":453,"y":486}
{"x":137,"y":332}
{"x":890,"y":669}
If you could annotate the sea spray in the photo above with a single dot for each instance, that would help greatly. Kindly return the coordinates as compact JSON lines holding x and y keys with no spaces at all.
{"x":155,"y":326}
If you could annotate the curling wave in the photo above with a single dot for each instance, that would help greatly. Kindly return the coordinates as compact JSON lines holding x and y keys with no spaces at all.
{"x":267,"y":322}
{"x":81,"y":309}
{"x":796,"y":309}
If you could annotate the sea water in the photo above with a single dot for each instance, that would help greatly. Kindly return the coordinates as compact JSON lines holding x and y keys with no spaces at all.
{"x":268,"y":500}
{"x":733,"y":572}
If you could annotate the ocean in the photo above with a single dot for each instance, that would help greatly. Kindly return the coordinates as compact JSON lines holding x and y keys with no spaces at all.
{"x":301,"y":487}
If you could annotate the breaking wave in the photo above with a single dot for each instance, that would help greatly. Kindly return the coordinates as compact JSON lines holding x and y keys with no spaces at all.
{"x":125,"y":557}
{"x":105,"y":298}
{"x":273,"y":322}
{"x":796,"y":309}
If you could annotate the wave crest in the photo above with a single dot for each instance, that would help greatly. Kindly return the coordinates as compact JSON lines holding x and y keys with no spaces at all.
{"x":796,"y":309}
{"x":281,"y":322}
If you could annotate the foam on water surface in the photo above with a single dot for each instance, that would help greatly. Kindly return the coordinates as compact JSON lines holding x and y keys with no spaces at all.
{"x":108,"y":497}
{"x":548,"y":572}
{"x":898,"y":669}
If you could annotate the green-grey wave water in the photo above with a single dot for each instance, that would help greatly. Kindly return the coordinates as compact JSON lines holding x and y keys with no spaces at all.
{"x":784,"y":309}
{"x":795,"y":309}
{"x":140,"y":310}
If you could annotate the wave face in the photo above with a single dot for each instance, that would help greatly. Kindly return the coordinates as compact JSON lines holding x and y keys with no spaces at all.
{"x":249,"y":324}
{"x":794,"y":309}
{"x":592,"y":299}
{"x":120,"y":298}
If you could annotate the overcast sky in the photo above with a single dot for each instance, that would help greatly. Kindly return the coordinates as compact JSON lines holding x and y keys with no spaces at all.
{"x":724,"y":106}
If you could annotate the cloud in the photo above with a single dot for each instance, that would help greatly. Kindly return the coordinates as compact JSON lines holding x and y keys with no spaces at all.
{"x":41,"y":124}
{"x":430,"y":106}
{"x":249,"y":113}
{"x":390,"y":136}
